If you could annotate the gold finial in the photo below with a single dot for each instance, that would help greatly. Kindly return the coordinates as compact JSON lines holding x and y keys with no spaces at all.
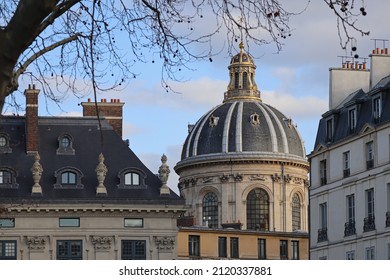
{"x":242,"y":46}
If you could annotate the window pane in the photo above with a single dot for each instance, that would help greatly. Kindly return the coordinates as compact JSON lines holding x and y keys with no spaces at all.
{"x":296,"y":212}
{"x":257,"y":210}
{"x":222,"y":247}
{"x":69,"y":222}
{"x":210,"y":210}
{"x":135,"y":179}
{"x":130,"y":222}
{"x":3,"y":141}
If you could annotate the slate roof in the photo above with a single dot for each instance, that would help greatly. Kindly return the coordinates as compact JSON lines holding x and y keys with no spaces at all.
{"x":88,"y":143}
{"x":363,"y":102}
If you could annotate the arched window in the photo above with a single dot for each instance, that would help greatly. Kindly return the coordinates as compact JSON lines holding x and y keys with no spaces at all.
{"x":210,"y":210}
{"x":245,"y":80}
{"x":8,"y":178}
{"x":236,"y":80}
{"x":296,"y":212}
{"x":65,"y":145}
{"x":68,"y":177}
{"x":4,"y":144}
{"x":257,"y":210}
{"x":132,"y":179}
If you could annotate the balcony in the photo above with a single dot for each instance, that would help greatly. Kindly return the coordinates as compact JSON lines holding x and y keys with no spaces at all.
{"x":322,"y":235}
{"x":369,"y":223}
{"x":323,"y":181}
{"x":346,"y":173}
{"x":349,"y":228}
{"x":388,"y":219}
{"x":370,"y":163}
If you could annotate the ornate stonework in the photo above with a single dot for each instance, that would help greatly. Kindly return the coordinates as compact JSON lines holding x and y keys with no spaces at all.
{"x":163,"y":173}
{"x":101,"y":172}
{"x":164,"y":243}
{"x":102,"y":242}
{"x":36,"y":243}
{"x":36,"y":171}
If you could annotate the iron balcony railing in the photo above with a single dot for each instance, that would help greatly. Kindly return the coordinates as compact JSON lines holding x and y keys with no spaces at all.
{"x":369,"y":223}
{"x":322,"y":235}
{"x":349,"y":228}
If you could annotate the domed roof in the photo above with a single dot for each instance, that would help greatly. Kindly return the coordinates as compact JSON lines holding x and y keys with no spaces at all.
{"x":242,"y":126}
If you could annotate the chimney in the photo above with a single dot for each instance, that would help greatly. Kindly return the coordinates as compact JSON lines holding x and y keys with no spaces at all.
{"x":111,"y":111}
{"x":380,"y":65}
{"x":32,"y":136}
{"x":346,"y":80}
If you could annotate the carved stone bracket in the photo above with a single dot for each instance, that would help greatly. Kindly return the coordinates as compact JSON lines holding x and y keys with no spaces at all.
{"x":36,"y":243}
{"x":276,"y":178}
{"x":224,"y":178}
{"x":164,"y":243}
{"x":102,"y":242}
{"x":237,"y":177}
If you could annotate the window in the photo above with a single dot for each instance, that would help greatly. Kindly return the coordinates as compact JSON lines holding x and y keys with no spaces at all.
{"x":257,"y":210}
{"x":222,"y":247}
{"x":350,"y":255}
{"x":261,"y":249}
{"x":134,"y":222}
{"x":370,"y":155}
{"x":370,"y":253}
{"x":377,"y":108}
{"x":369,"y":220}
{"x":68,"y":177}
{"x":296,"y":212}
{"x":69,"y":250}
{"x":245,"y":80}
{"x":65,"y":145}
{"x":388,"y":251}
{"x":210,"y":210}
{"x":132,"y":179}
{"x":323,"y":224}
{"x":7,"y":222}
{"x":295,"y":249}
{"x":8,"y":178}
{"x":4,"y":144}
{"x":388,"y":206}
{"x":5,"y":177}
{"x":133,"y":250}
{"x":234,"y":248}
{"x":346,"y":163}
{"x":350,"y":223}
{"x":323,"y":172}
{"x":236,"y":80}
{"x":7,"y":250}
{"x":69,"y":222}
{"x":283,"y":249}
{"x":329,"y":130}
{"x":194,"y":245}
{"x":352,"y":120}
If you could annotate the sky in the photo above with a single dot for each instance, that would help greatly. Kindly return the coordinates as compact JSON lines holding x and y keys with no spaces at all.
{"x":295,"y":81}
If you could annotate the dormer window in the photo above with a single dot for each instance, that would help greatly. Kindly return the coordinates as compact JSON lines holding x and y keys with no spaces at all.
{"x":65,"y":145}
{"x":4,"y":144}
{"x":68,"y":177}
{"x":329,"y":130}
{"x":377,"y":108}
{"x":213,"y":121}
{"x":132,"y":178}
{"x":7,"y":178}
{"x":352,"y":120}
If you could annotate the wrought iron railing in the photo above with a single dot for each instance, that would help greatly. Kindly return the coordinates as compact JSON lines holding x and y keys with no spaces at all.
{"x":322,"y":235}
{"x":369,"y":223}
{"x":349,"y":228}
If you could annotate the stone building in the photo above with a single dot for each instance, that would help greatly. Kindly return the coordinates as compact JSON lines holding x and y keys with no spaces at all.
{"x":243,"y":172}
{"x":71,"y":188}
{"x":350,"y":164}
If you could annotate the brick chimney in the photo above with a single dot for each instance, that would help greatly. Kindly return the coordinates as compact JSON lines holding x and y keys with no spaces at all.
{"x":111,"y":111}
{"x":32,"y":136}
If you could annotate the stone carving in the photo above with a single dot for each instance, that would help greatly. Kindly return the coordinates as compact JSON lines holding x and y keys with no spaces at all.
{"x":298,"y":181}
{"x":287,"y":178}
{"x":255,"y":120}
{"x":224,"y":178}
{"x":36,"y":242}
{"x":164,"y":243}
{"x":237,"y":177}
{"x":276,"y":178}
{"x":36,"y":171}
{"x":102,"y":242}
{"x":257,"y":177}
{"x":208,"y":180}
{"x":213,"y":121}
{"x":163,"y":173}
{"x":101,"y":172}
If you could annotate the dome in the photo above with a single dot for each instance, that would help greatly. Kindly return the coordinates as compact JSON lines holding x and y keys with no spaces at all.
{"x":242,"y":127}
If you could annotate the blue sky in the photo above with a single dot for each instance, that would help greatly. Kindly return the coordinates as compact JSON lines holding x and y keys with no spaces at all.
{"x":295,"y":81}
